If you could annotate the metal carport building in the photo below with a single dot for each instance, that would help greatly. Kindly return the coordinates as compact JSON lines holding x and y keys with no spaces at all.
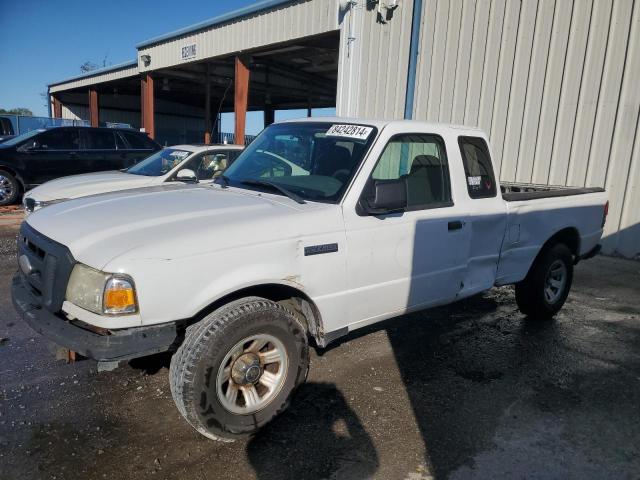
{"x":554,"y":82}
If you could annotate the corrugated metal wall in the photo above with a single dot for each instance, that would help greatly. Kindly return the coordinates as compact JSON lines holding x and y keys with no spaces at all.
{"x":284,"y":23}
{"x":556,"y":84}
{"x":91,"y":79}
{"x":373,"y":63}
{"x":75,"y":112}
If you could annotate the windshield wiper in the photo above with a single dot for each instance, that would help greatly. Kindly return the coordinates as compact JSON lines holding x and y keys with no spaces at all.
{"x":275,"y":186}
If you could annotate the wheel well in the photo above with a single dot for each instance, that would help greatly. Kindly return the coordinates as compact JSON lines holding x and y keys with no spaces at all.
{"x":16,"y":175}
{"x":569,"y":236}
{"x":293,"y":299}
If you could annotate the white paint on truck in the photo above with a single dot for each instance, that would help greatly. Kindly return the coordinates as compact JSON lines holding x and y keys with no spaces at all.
{"x":200,"y":243}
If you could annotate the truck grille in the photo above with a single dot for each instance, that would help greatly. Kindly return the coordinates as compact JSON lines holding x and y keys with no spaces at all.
{"x":45,"y":267}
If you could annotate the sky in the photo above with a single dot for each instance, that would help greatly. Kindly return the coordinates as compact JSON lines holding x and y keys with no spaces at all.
{"x":43,"y":41}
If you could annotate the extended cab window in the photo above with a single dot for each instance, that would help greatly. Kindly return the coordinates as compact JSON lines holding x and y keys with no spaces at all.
{"x":420,"y":160}
{"x":477,"y":167}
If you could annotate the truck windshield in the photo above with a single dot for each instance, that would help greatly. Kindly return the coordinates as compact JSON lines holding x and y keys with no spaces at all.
{"x":159,"y":163}
{"x":315,"y":161}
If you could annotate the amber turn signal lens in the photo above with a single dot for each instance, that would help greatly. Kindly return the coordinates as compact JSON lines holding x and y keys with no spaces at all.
{"x":119,"y":297}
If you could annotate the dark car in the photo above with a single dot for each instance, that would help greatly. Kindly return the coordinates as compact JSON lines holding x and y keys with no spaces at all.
{"x":6,"y":129}
{"x":38,"y":156}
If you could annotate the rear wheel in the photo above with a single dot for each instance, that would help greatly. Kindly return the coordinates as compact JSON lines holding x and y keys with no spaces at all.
{"x":545,"y":289}
{"x":238,"y":367}
{"x":9,"y":188}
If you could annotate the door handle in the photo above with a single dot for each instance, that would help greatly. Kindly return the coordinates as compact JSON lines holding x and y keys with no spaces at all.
{"x":455,"y":225}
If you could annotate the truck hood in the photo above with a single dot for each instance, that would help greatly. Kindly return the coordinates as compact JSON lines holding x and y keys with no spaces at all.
{"x":165,"y":222}
{"x":77,"y":186}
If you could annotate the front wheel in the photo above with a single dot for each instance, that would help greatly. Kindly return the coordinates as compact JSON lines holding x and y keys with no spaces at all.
{"x":545,"y":289}
{"x":9,"y":188}
{"x":238,"y":367}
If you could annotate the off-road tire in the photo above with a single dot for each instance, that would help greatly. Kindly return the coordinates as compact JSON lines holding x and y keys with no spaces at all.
{"x":194,"y":366}
{"x":14,"y":185}
{"x":530,"y":295}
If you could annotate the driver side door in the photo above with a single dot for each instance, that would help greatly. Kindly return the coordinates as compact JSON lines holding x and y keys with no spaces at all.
{"x":415,"y":258}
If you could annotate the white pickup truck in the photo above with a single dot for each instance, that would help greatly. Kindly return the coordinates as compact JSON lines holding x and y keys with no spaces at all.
{"x":320,"y":227}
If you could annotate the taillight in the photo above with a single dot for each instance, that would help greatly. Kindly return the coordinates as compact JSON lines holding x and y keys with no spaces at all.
{"x":605,"y":213}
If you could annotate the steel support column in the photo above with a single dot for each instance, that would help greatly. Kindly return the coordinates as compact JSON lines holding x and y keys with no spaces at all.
{"x":241,"y":97}
{"x":207,"y":106}
{"x":94,"y":113}
{"x":147,"y":108}
{"x":57,"y":108}
{"x":269,"y":115}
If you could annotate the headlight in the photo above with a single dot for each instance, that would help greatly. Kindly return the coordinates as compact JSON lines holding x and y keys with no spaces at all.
{"x":31,"y":204}
{"x":101,"y":293}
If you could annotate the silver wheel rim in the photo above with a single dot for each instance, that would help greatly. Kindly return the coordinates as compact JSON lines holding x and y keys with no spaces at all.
{"x":6,"y":188}
{"x":251,"y":374}
{"x":555,"y":281}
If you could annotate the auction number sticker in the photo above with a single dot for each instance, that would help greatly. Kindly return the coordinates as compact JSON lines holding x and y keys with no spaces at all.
{"x":359,"y":132}
{"x":474,"y":181}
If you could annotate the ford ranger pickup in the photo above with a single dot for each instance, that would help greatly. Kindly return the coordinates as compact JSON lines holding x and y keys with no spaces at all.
{"x":320,"y":227}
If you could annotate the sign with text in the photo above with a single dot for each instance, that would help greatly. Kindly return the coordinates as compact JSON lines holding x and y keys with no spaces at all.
{"x":189,"y":52}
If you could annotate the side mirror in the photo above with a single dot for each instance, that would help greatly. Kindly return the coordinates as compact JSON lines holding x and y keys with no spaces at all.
{"x":187,"y":175}
{"x":389,"y":196}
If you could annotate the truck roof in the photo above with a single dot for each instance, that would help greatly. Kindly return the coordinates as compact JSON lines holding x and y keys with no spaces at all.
{"x":381,"y":123}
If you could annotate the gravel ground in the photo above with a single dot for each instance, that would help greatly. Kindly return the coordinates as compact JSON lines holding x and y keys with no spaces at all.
{"x":470,"y":391}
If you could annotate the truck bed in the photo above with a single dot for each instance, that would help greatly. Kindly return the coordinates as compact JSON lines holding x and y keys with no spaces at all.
{"x":518,"y":192}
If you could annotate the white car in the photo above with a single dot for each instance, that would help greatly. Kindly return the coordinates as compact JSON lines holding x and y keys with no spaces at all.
{"x":181,"y":162}
{"x":319,"y":228}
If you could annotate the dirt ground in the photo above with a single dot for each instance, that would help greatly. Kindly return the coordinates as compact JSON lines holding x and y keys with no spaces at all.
{"x":474,"y":390}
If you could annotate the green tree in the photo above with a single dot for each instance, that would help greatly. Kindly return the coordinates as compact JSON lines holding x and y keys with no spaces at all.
{"x":17,"y":111}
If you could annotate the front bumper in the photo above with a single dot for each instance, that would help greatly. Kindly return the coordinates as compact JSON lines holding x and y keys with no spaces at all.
{"x":117,"y":345}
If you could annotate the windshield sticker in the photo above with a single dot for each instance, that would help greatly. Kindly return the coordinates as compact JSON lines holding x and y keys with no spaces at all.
{"x":474,"y":181}
{"x":357,"y":132}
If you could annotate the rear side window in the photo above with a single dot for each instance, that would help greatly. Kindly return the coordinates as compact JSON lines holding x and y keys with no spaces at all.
{"x":149,"y":144}
{"x":99,"y":140}
{"x":137,"y":142}
{"x":420,"y":160}
{"x":477,"y":167}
